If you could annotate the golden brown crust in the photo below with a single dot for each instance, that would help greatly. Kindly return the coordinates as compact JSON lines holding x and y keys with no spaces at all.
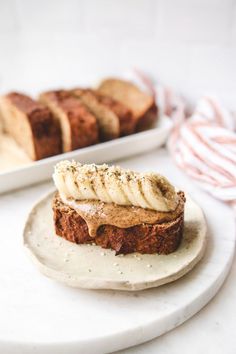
{"x":82,"y":125}
{"x":161,"y":238}
{"x":46,"y":133}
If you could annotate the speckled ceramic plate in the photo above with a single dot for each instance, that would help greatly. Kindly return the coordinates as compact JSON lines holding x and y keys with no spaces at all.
{"x":91,"y":267}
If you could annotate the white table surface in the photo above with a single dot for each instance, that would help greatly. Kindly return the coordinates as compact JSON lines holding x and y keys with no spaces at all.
{"x":212,"y":330}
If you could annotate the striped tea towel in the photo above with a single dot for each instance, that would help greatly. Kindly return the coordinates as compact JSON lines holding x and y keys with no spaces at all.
{"x":202,"y":141}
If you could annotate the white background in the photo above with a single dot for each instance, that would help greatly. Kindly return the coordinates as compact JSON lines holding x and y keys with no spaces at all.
{"x":189,"y":44}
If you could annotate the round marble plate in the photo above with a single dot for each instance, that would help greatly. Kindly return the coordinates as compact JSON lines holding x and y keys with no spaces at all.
{"x":91,"y":267}
{"x":42,"y":316}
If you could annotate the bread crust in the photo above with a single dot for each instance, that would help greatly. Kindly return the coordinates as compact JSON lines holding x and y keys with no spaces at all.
{"x":45,"y":131}
{"x":161,"y":238}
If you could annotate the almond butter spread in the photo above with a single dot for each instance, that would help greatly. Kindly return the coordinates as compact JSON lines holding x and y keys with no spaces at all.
{"x":97,"y":213}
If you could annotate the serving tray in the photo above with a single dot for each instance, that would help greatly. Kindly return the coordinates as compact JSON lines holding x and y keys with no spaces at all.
{"x":27,"y":172}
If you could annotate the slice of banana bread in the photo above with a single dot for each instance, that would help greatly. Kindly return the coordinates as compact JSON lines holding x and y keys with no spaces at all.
{"x":108,"y":122}
{"x":162,"y":237}
{"x":141,"y":104}
{"x":31,"y":125}
{"x":78,"y":125}
{"x":109,"y":108}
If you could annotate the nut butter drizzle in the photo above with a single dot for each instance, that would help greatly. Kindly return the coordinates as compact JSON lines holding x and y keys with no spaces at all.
{"x":97,"y":213}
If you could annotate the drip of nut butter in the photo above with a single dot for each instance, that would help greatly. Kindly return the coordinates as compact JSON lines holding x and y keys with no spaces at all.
{"x":97,"y":213}
{"x":114,"y":185}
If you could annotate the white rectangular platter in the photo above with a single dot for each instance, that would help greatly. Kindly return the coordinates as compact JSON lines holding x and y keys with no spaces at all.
{"x":38,"y":171}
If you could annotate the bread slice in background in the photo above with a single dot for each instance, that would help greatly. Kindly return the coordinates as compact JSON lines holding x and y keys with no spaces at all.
{"x":141,"y":104}
{"x":78,"y":125}
{"x":31,"y":125}
{"x":109,"y":112}
{"x":107,"y":119}
{"x":124,"y":114}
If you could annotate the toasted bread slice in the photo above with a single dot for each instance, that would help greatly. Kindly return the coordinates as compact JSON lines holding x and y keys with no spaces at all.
{"x":78,"y":125}
{"x":108,"y":121}
{"x":142,"y":105}
{"x":31,"y":125}
{"x":161,"y":237}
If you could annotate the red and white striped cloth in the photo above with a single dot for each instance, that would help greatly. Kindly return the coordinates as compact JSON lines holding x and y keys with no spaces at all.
{"x":202,"y":141}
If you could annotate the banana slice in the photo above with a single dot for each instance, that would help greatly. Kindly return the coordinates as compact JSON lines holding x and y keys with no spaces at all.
{"x":124,"y":179}
{"x":99,"y":185}
{"x":72,"y":187}
{"x":155,"y":188}
{"x":153,"y":195}
{"x":85,"y":187}
{"x":113,"y":186}
{"x":136,"y":189}
{"x":59,"y":180}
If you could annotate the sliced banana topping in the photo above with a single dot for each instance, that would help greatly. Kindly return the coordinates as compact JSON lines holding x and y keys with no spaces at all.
{"x":114,"y":185}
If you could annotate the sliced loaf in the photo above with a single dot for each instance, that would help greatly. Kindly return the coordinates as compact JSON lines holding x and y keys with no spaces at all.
{"x":78,"y":125}
{"x":31,"y":125}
